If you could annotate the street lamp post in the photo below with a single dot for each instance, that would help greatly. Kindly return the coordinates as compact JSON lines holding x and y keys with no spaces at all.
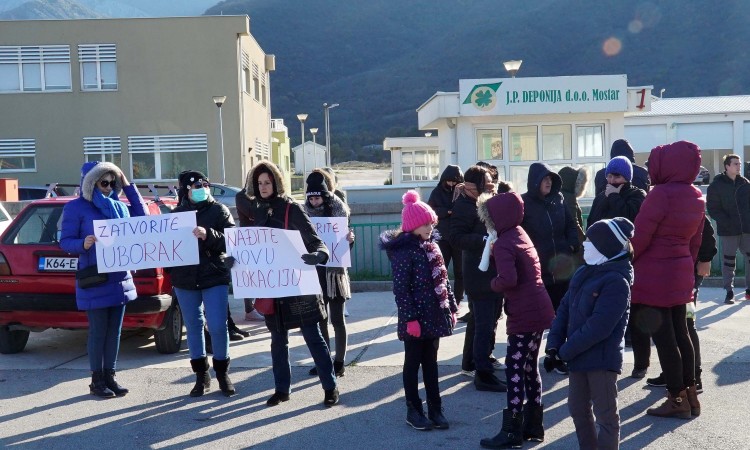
{"x":326,"y":107}
{"x":302,"y":118}
{"x":513,"y":66}
{"x":219,"y":100}
{"x":314,"y":131}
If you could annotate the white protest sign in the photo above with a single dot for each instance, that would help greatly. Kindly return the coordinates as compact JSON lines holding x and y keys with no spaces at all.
{"x":146,"y":242}
{"x":268,"y":263}
{"x":333,"y":231}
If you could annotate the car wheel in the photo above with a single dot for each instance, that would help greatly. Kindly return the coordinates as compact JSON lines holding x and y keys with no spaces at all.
{"x":169,"y":339}
{"x":12,"y":341}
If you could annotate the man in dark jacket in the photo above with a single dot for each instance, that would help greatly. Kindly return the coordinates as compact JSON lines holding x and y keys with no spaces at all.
{"x":621,"y":147}
{"x":620,"y":198}
{"x":441,"y":200}
{"x":728,"y":203}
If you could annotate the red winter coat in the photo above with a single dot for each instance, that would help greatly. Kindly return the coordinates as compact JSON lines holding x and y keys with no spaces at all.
{"x":519,"y":274}
{"x":668,"y":228}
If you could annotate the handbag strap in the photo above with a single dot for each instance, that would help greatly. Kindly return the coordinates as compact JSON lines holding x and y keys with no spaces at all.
{"x":286,"y":217}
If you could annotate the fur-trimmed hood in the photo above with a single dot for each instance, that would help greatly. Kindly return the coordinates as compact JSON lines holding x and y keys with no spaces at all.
{"x":574,"y":181}
{"x":251,"y":180}
{"x":92,"y":171}
{"x":500,"y":212}
{"x":391,"y":240}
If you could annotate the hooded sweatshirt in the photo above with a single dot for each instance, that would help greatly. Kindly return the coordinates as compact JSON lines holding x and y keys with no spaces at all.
{"x":518,"y":272}
{"x":441,"y":199}
{"x":550,"y":226}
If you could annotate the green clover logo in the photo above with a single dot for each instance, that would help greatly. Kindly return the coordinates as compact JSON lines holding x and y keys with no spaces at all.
{"x":483,"y":96}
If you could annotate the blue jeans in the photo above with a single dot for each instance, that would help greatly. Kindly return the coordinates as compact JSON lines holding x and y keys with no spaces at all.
{"x":105,"y":325}
{"x":282,"y":369}
{"x":214,"y":301}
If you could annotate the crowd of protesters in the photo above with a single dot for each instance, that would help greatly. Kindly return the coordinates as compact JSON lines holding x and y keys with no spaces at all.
{"x":593,"y":285}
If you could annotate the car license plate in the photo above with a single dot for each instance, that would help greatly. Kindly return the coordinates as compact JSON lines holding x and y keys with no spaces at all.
{"x":55,"y":264}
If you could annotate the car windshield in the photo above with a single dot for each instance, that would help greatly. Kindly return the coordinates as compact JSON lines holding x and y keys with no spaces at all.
{"x":39,"y":225}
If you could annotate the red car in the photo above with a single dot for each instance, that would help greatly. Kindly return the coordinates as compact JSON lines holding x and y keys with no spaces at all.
{"x":37,"y":282}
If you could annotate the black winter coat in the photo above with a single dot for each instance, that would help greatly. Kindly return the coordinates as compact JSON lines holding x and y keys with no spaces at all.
{"x":625,"y":204}
{"x":210,"y":271}
{"x":728,"y":203}
{"x":441,"y":200}
{"x":550,"y":226}
{"x":272,"y":214}
{"x":468,"y":233}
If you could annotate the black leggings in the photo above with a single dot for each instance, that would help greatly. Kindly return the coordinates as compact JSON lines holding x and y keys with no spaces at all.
{"x":336,"y":317}
{"x":421,"y":352}
{"x":674,"y":347}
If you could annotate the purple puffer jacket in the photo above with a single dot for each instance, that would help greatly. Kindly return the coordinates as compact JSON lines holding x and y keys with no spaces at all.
{"x":414,"y":287}
{"x":519,"y":274}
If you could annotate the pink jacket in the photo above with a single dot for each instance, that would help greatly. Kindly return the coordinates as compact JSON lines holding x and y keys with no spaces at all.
{"x":668,"y":228}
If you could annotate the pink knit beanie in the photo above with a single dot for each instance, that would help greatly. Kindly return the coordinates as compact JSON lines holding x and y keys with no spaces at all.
{"x":416,"y":212}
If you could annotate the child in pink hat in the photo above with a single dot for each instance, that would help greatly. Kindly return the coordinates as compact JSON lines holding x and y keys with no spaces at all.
{"x":426,"y":306}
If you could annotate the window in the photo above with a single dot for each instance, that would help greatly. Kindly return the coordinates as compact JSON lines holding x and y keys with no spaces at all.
{"x":590,"y":141}
{"x":107,"y":149}
{"x":43,"y":68}
{"x":523,"y":145}
{"x":489,"y":145}
{"x":98,"y":67}
{"x":263,"y":90}
{"x":246,"y":73}
{"x":556,"y":142}
{"x":40,"y":226}
{"x":155,"y":158}
{"x":17,"y":155}
{"x":256,"y":82}
{"x":420,"y":165}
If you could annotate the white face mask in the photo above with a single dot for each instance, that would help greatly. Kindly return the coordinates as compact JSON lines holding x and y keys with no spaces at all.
{"x":591,"y":255}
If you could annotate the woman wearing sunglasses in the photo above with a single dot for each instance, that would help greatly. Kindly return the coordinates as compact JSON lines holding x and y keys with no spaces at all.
{"x":205,"y":286}
{"x":105,"y":297}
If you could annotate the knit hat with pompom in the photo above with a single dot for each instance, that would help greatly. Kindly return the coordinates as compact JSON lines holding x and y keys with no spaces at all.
{"x":416,"y":212}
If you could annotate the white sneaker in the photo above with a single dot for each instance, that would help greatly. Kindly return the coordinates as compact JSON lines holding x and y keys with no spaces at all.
{"x":254,"y":316}
{"x":468,"y":373}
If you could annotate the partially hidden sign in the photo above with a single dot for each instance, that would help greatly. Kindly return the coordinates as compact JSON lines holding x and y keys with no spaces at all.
{"x":268,"y":263}
{"x":333,"y":231}
{"x":146,"y":242}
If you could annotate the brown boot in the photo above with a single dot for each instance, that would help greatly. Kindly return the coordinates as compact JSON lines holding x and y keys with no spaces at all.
{"x":675,"y":406}
{"x":695,"y":405}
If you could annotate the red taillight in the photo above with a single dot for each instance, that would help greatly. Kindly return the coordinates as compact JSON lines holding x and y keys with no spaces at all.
{"x":4,"y":267}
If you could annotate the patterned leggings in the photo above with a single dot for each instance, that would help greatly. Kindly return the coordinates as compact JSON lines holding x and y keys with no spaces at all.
{"x":523,"y":372}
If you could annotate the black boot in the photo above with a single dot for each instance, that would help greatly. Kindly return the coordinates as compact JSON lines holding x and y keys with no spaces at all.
{"x":435,"y":414}
{"x":487,"y":381}
{"x":202,"y":377}
{"x":415,"y":416}
{"x":533,"y":422}
{"x":221,"y":366}
{"x":98,"y":386}
{"x":510,"y":435}
{"x":109,"y":380}
{"x":339,"y":368}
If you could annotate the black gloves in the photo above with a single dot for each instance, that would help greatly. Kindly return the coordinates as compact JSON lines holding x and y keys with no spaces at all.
{"x":313,"y":259}
{"x":229,"y":262}
{"x":552,"y":361}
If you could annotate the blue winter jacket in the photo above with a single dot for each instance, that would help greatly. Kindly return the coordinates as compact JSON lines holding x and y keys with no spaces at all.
{"x":414,"y":287}
{"x":590,"y":324}
{"x":77,"y":223}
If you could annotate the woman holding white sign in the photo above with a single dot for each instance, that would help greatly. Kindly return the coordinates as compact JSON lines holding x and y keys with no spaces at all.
{"x":334,"y":281}
{"x":270,"y":207}
{"x":205,"y":286}
{"x":102,"y":296}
